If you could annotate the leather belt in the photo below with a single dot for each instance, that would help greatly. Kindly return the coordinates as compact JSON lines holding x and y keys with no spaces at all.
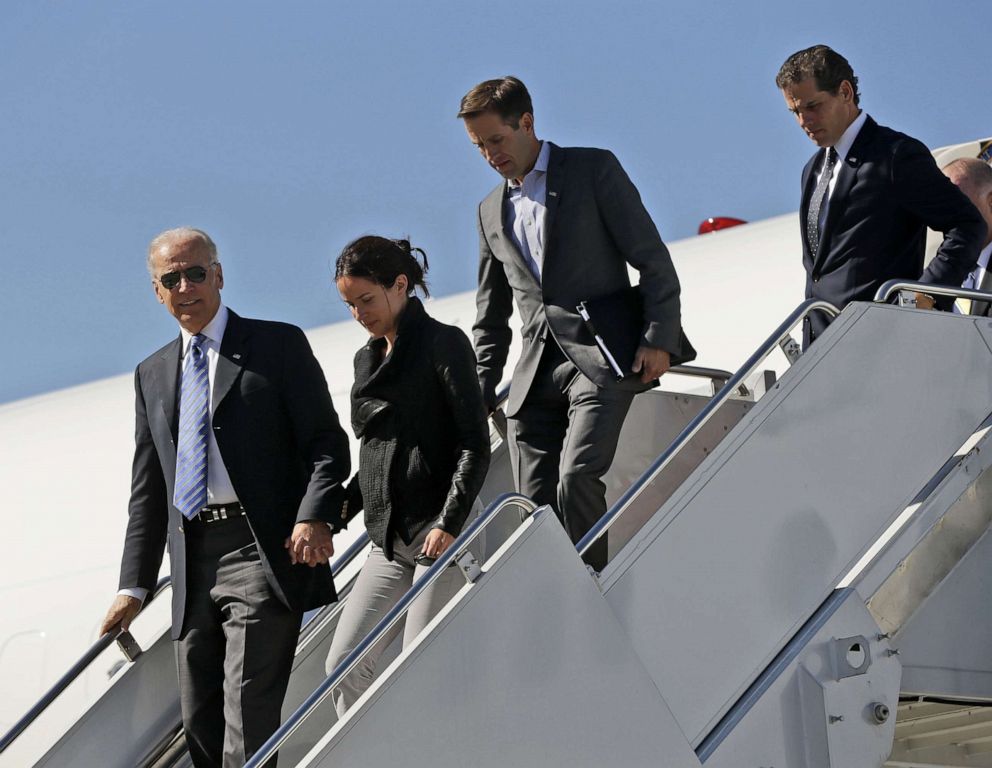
{"x":213,"y":513}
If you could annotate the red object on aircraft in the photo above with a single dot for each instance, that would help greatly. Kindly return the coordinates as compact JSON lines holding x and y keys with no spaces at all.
{"x":713,"y":223}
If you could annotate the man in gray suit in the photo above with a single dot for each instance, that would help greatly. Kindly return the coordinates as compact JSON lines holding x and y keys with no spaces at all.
{"x":559,"y":230}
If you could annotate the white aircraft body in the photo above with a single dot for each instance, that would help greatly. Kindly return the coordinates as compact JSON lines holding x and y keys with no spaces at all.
{"x":65,"y":456}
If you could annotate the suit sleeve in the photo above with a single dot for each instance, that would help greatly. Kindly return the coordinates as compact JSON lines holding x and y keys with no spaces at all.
{"x":454,"y":364}
{"x":320,"y":439}
{"x":494,"y":305}
{"x":928,"y":194}
{"x":637,"y":238}
{"x":148,"y":511}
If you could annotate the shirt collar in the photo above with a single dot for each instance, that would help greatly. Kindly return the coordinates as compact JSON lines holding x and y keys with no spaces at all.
{"x":214,"y":330}
{"x":540,"y":165}
{"x":843,"y":145}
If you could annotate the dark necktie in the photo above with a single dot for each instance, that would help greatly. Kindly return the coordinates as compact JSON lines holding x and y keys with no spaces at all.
{"x":190,"y":494}
{"x":816,"y":202}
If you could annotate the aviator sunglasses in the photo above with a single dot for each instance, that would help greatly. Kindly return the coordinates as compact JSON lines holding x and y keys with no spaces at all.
{"x":193,"y":275}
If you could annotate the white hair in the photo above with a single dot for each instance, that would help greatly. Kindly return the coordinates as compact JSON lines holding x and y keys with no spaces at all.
{"x":180,"y":234}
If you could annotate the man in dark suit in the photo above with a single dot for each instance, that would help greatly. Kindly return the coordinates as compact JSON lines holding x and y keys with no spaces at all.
{"x":868,"y":195}
{"x":560,"y":229}
{"x":238,"y":465}
{"x":974,"y":177}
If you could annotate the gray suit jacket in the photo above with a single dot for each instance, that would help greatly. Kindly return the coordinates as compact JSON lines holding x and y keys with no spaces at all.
{"x":596,"y":226}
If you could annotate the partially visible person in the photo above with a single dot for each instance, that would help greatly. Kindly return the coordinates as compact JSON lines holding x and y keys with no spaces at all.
{"x":974,"y":177}
{"x":560,"y":228}
{"x":417,"y":408}
{"x":239,"y":466}
{"x":868,"y":194}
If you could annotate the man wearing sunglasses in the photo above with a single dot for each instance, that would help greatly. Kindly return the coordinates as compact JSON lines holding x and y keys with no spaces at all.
{"x":238,"y":465}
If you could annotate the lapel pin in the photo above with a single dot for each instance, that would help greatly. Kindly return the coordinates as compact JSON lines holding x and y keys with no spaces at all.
{"x":236,"y":356}
{"x":552,"y":194}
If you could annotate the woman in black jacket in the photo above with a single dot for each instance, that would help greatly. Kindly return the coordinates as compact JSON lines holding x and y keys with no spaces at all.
{"x":417,"y":408}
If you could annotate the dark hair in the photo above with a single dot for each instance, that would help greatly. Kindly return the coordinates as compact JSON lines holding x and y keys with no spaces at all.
{"x":507,"y":97}
{"x":382,"y":260}
{"x":822,"y":63}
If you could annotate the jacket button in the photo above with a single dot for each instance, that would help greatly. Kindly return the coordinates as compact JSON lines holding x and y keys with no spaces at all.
{"x":180,"y":529}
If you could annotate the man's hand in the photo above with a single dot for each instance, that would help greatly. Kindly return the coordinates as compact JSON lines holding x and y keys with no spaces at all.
{"x":121,"y":614}
{"x":651,"y":363}
{"x":924,"y":301}
{"x":310,"y":543}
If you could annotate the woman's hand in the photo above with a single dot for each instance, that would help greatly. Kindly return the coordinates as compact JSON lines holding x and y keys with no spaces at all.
{"x":437,"y":541}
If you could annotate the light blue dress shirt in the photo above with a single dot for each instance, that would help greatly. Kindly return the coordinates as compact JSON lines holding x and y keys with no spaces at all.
{"x":526,"y":213}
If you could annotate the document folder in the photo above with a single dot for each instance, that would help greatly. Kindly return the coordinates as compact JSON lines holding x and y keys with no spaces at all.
{"x":616,"y":322}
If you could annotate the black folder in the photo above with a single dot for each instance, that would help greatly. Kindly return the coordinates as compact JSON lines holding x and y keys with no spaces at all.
{"x":616,"y":322}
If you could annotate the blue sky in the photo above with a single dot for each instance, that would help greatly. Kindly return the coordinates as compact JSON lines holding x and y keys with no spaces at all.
{"x":287,"y":129}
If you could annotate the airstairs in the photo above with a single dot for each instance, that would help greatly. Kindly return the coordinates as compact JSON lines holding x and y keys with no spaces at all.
{"x":798,"y":579}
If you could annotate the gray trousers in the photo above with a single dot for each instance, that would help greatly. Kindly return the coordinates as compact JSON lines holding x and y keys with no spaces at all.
{"x":562,"y":441}
{"x":379,"y":586}
{"x":236,"y":651}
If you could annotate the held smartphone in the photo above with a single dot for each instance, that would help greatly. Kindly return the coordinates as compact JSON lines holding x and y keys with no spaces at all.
{"x":422,"y":559}
{"x":128,"y":645}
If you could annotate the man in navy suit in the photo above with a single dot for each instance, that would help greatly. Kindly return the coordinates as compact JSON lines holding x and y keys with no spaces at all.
{"x":868,"y":194}
{"x":238,"y":464}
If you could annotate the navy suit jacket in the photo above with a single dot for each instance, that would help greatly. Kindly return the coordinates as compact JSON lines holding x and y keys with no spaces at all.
{"x":282,"y":446}
{"x":596,"y":225}
{"x":888,"y":191}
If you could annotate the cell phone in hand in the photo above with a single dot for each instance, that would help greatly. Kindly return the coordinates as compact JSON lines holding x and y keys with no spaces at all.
{"x":422,"y":559}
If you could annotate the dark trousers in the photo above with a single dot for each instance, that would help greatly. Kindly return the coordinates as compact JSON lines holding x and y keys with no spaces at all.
{"x":236,"y":650}
{"x":562,"y":441}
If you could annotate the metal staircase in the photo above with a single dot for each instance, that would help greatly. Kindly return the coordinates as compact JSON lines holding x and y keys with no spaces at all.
{"x":797,"y":581}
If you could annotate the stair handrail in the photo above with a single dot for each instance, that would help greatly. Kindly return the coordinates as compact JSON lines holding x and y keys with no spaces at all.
{"x":750,"y":366}
{"x":398,"y":611}
{"x":70,"y":675}
{"x":886,"y":290}
{"x":713,"y":374}
{"x":104,"y":641}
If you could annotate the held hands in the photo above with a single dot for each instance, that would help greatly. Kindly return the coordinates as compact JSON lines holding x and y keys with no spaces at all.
{"x":437,"y":541}
{"x":310,"y":543}
{"x":651,"y":363}
{"x":121,"y":614}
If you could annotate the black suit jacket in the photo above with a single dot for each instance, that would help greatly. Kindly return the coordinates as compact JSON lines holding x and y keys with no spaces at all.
{"x":888,"y":191}
{"x":596,"y":225}
{"x":282,"y":446}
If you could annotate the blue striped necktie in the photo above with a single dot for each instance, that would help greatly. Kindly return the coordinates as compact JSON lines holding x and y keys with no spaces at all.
{"x":190,"y":494}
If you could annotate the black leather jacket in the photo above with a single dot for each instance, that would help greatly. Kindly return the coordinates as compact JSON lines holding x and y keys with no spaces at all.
{"x":425,"y":439}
